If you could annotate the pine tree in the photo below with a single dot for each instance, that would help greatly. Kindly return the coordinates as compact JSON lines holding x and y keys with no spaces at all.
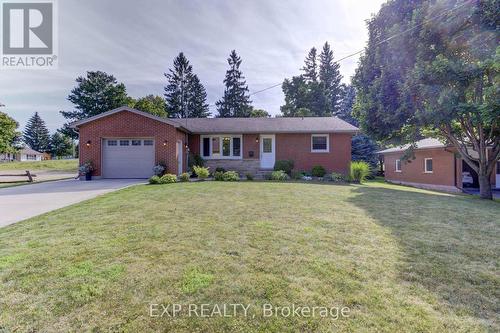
{"x":197,"y":101}
{"x":184,"y":94}
{"x":329,"y":76}
{"x":236,"y":101}
{"x":311,"y":66}
{"x":177,"y":89}
{"x":60,"y":145}
{"x":36,"y":134}
{"x":346,"y":104}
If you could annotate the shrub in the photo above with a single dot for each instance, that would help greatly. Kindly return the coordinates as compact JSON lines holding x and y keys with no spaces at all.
{"x":184,"y":177}
{"x":220,"y":169}
{"x":154,"y":180}
{"x":284,"y":165}
{"x":231,"y":176}
{"x":249,"y":176}
{"x":159,"y":169}
{"x":318,"y":171}
{"x":337,"y":177}
{"x":201,"y":172}
{"x":359,"y":171}
{"x":168,"y":178}
{"x":219,"y":176}
{"x":298,"y":175}
{"x":279,"y":175}
{"x":195,"y":159}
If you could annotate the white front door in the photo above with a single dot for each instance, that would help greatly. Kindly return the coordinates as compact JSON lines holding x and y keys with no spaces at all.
{"x":179,"y":157}
{"x":267,"y":151}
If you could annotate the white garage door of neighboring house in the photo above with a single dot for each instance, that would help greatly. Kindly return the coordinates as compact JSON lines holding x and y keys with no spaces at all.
{"x":128,"y":158}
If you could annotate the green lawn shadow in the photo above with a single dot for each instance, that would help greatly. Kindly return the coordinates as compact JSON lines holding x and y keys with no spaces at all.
{"x":449,"y":242}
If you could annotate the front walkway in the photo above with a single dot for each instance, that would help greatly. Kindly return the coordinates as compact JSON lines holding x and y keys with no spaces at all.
{"x":21,"y":202}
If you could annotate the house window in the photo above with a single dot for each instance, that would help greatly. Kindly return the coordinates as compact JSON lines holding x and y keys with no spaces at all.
{"x":226,"y":146}
{"x":320,"y":143}
{"x":206,"y":147}
{"x":221,"y":146}
{"x":267,"y":145}
{"x":124,"y":142}
{"x":398,"y":165}
{"x":215,"y":145}
{"x":236,"y":147}
{"x":112,"y":143}
{"x":136,"y":142}
{"x":428,"y":165}
{"x":148,"y":142}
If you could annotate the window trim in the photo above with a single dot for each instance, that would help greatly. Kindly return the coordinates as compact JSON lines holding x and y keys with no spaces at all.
{"x":327,"y":150}
{"x":220,"y":155}
{"x":425,"y":165}
{"x":396,"y":165}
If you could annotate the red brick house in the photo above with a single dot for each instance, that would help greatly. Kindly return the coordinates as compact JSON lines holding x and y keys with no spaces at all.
{"x":127,"y":143}
{"x":436,"y":166}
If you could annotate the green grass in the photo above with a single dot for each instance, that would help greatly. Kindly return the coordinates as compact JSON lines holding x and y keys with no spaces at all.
{"x":401,"y":259}
{"x":54,"y":165}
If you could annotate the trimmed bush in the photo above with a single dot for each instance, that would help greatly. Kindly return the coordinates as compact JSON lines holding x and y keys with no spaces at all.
{"x":159,"y":169}
{"x":284,"y":165}
{"x":195,"y":159}
{"x":359,"y":171}
{"x":337,"y":177}
{"x":201,"y":172}
{"x":184,"y":177}
{"x":220,"y":169}
{"x":154,"y":180}
{"x":219,"y":176}
{"x":318,"y":171}
{"x":279,"y":175}
{"x":168,"y":178}
{"x":231,"y":176}
{"x":249,"y":176}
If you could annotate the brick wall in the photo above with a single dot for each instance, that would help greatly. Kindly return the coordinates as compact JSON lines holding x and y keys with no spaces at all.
{"x":443,"y":162}
{"x":297,"y":147}
{"x":127,"y":124}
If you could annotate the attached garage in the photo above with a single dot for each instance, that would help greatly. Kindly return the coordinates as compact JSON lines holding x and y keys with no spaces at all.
{"x":128,"y":157}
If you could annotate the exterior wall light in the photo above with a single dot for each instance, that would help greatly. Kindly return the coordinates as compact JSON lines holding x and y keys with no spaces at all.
{"x":88,"y":143}
{"x":257,"y":139}
{"x":165,"y":142}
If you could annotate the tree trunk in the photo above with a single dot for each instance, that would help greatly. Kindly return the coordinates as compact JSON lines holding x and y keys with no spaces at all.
{"x":485,"y":187}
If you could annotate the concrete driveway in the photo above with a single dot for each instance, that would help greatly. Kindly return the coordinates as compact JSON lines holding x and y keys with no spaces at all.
{"x":21,"y":202}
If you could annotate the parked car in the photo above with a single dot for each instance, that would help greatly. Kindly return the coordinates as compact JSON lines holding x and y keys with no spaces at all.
{"x":467,"y":179}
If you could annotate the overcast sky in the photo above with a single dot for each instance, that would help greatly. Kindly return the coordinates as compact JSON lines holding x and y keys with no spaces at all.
{"x":136,"y":41}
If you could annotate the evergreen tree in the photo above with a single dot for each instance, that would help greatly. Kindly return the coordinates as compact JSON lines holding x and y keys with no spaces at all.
{"x":348,"y":97}
{"x":197,"y":102}
{"x":296,"y":96}
{"x":177,"y":89}
{"x":60,"y":145}
{"x":311,"y":66}
{"x":236,"y":101}
{"x":329,"y":76}
{"x":36,"y":134}
{"x":184,"y":94}
{"x":96,"y":93}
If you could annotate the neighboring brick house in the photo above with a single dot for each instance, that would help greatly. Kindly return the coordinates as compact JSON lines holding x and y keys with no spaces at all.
{"x":436,"y":166}
{"x":127,"y":143}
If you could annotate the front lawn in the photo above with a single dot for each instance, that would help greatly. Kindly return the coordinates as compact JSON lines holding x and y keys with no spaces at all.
{"x":53,"y":165}
{"x":401,"y":259}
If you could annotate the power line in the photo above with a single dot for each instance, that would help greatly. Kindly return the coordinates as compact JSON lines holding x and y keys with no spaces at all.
{"x":380,"y":42}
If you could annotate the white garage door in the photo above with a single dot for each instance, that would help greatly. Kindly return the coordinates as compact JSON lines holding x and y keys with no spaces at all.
{"x":128,"y":158}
